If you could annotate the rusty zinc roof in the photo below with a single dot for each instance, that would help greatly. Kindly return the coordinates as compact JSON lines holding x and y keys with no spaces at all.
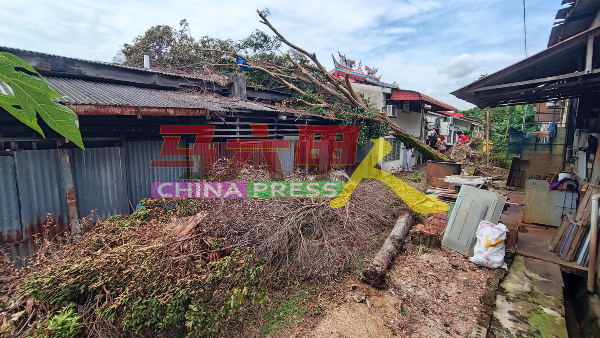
{"x":83,"y":92}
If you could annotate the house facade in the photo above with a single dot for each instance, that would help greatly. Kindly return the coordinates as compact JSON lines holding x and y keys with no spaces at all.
{"x":414,"y":112}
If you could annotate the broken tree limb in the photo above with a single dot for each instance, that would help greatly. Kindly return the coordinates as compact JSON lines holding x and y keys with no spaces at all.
{"x":374,"y":274}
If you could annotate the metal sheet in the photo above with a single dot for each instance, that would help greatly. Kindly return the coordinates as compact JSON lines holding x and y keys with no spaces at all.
{"x":41,"y":192}
{"x":10,"y":219}
{"x":287,"y":158}
{"x":472,"y":206}
{"x":140,"y":176}
{"x":100,"y":182}
{"x":544,"y":206}
{"x":437,"y":171}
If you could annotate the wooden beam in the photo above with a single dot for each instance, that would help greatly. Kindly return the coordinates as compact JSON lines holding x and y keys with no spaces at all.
{"x":589,"y":54}
{"x":541,"y":80}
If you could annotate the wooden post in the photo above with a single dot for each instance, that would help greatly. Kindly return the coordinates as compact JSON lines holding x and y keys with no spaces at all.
{"x":68,"y":185}
{"x":589,"y":54}
{"x":487,"y":137}
{"x":510,"y":112}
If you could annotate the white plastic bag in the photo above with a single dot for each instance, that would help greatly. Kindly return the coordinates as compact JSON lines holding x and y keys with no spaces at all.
{"x":489,"y":249}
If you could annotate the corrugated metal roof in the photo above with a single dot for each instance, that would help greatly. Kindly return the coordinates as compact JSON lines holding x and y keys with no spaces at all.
{"x":206,"y":76}
{"x":76,"y":91}
{"x":573,"y":18}
{"x":535,"y":78}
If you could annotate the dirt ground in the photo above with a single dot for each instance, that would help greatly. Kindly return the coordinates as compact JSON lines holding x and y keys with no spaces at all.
{"x":431,"y":293}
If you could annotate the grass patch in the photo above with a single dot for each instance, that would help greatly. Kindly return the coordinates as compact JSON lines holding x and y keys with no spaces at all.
{"x":287,"y":309}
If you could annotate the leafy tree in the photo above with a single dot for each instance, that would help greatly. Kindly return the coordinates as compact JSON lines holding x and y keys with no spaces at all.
{"x":298,"y":72}
{"x":32,"y":96}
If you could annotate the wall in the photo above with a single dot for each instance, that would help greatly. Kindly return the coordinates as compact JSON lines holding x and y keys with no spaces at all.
{"x":373,"y":93}
{"x":409,"y":121}
{"x":542,"y":159}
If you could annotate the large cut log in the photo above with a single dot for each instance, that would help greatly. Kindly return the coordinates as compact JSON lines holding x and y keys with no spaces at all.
{"x":374,"y":274}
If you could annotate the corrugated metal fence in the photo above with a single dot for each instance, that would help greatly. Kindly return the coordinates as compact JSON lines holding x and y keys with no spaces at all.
{"x":109,"y":180}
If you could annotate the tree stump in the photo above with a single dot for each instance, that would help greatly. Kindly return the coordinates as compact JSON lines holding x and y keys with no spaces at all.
{"x":427,"y":239}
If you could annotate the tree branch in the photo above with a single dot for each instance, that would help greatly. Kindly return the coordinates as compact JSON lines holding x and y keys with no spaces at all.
{"x":311,"y":56}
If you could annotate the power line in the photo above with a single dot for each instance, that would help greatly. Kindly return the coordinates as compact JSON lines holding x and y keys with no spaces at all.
{"x":525,"y":28}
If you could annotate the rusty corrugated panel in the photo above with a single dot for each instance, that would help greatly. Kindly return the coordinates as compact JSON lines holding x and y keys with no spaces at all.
{"x":68,"y":187}
{"x":41,"y":192}
{"x":139,"y":174}
{"x":100,"y":181}
{"x":10,"y":219}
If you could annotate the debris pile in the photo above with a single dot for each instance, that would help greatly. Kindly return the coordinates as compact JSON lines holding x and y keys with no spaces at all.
{"x":143,"y":274}
{"x":194,"y":266}
{"x":495,"y":173}
{"x":466,"y":152}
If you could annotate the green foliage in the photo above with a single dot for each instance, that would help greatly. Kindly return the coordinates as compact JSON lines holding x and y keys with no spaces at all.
{"x":32,"y":96}
{"x":64,"y":324}
{"x":136,"y":284}
{"x":202,"y":321}
{"x":286,"y":309}
{"x":176,"y":49}
{"x":499,"y":122}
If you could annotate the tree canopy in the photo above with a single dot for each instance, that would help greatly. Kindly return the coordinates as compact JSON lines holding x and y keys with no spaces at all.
{"x":296,"y":71}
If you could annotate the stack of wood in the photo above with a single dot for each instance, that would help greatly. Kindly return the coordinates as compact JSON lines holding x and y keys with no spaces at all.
{"x":572,"y":240}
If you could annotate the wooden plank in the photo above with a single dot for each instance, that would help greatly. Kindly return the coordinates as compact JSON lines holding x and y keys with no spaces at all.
{"x":565,"y":243}
{"x":585,"y":207}
{"x":559,"y":234}
{"x":576,"y":243}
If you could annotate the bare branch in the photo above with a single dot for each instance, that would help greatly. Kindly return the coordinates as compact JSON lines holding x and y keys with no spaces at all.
{"x":311,"y":56}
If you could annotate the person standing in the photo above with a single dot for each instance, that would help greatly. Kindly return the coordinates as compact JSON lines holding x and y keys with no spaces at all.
{"x":408,"y":159}
{"x":462,"y":137}
{"x":441,"y":144}
{"x":433,"y":139}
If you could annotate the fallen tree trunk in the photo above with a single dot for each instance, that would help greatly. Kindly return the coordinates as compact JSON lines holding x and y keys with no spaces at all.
{"x":374,"y":274}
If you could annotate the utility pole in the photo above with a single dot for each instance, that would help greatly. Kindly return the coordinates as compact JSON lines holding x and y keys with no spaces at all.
{"x":487,"y":137}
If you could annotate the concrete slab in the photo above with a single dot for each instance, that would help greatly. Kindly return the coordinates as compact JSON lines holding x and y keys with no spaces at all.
{"x":529,"y":302}
{"x":534,"y":241}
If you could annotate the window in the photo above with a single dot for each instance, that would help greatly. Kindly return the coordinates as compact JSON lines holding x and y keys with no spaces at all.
{"x":414,"y":106}
{"x":394,"y":155}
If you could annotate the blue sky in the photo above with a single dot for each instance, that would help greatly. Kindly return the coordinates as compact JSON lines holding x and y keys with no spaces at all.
{"x":430,"y":46}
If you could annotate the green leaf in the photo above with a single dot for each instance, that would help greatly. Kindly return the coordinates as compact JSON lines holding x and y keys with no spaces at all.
{"x":9,"y":102}
{"x":33,"y":96}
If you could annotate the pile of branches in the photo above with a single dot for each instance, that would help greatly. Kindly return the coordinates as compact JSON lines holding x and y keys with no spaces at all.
{"x":195,"y":266}
{"x":468,"y":152}
{"x":147,"y":274}
{"x":301,"y":238}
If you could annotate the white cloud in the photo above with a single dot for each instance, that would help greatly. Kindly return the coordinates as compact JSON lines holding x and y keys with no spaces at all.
{"x":412,"y":42}
{"x":460,"y":66}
